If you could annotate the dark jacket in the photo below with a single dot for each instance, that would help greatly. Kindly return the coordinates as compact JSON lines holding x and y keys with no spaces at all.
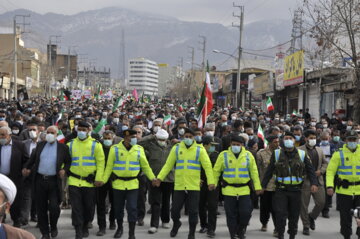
{"x":309,"y":169}
{"x":19,"y":157}
{"x":63,"y":158}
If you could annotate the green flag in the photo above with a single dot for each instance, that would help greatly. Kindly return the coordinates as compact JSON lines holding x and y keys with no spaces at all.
{"x":119,"y":102}
{"x":100,"y":128}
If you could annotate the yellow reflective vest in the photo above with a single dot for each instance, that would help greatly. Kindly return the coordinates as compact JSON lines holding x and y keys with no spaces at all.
{"x":87,"y":157}
{"x":237,"y":171}
{"x":188,"y":163}
{"x":346,"y":165}
{"x":126,"y":164}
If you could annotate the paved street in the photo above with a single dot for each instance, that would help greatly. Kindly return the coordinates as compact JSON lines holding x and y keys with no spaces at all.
{"x":325,"y":228}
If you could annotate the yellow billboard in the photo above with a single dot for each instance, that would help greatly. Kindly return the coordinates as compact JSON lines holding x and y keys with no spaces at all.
{"x":294,"y":69}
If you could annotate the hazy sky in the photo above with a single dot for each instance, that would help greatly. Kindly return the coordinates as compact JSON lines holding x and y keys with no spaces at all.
{"x":219,"y":11}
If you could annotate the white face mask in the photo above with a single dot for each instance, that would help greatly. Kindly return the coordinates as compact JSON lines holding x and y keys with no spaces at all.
{"x":116,"y":120}
{"x":156,"y":129}
{"x":50,"y":138}
{"x":181,"y":131}
{"x":210,"y":133}
{"x":15,"y":131}
{"x":32,"y":134}
{"x":161,"y":143}
{"x":312,"y":142}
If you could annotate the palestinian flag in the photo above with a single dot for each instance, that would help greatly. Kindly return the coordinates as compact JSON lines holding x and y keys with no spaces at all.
{"x":206,"y":100}
{"x":100,"y":128}
{"x":60,"y":137}
{"x":167,"y":120}
{"x":261,"y":135}
{"x":119,"y":102}
{"x":269,"y":105}
{"x":63,"y":97}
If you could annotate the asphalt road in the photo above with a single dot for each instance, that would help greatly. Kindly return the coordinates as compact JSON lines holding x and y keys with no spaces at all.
{"x":325,"y":228}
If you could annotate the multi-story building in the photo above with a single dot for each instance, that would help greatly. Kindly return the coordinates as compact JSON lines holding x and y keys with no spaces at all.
{"x":92,"y":77}
{"x":28,"y":66}
{"x":143,"y":76}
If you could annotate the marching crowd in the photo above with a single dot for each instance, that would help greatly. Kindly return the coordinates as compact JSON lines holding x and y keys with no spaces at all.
{"x":57,"y":155}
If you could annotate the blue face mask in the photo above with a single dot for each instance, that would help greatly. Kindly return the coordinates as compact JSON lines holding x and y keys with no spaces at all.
{"x":336,"y":138}
{"x":82,"y":135}
{"x":288,"y":143}
{"x":133,"y":141}
{"x":352,"y":145}
{"x":188,"y":141}
{"x":198,"y":138}
{"x":297,"y":137}
{"x":324,"y":143}
{"x":212,"y":149}
{"x":251,"y":137}
{"x":2,"y":119}
{"x":124,"y":128}
{"x":235,"y":149}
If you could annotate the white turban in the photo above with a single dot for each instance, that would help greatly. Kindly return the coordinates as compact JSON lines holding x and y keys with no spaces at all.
{"x":162,"y":134}
{"x":8,"y":187}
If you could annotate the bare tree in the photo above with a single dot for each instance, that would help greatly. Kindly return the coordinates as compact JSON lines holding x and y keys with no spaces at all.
{"x":335,"y":25}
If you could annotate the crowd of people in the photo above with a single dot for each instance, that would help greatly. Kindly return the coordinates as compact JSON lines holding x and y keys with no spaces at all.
{"x":63,"y":155}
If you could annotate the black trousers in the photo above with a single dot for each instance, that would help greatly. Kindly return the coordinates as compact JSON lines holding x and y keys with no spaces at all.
{"x":159,"y":199}
{"x":346,"y":203}
{"x":238,"y":212}
{"x":141,"y":201}
{"x":130,"y":197}
{"x":208,"y":207}
{"x":25,"y":205}
{"x":266,"y":208}
{"x":101,"y":194}
{"x":328,"y":199}
{"x":191,"y":198}
{"x":47,"y":203}
{"x":286,"y":205}
{"x":82,"y":204}
{"x":15,"y":211}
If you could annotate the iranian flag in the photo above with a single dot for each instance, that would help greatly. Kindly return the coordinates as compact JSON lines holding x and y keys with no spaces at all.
{"x":100,"y":128}
{"x":294,"y":113}
{"x":261,"y":135}
{"x":60,"y":137}
{"x":59,"y":118}
{"x":181,"y":107}
{"x":98,"y":93}
{"x":206,"y":100}
{"x":119,"y":102}
{"x":167,"y":120}
{"x":63,"y":97}
{"x":269,"y":105}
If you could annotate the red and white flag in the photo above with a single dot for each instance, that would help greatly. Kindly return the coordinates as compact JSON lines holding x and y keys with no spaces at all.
{"x":206,"y":100}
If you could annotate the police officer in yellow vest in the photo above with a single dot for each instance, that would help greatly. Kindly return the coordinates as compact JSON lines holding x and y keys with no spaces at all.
{"x":86,"y":172}
{"x":345,"y":163}
{"x":187,"y":157}
{"x":123,"y":167}
{"x":238,"y":168}
{"x":289,"y":166}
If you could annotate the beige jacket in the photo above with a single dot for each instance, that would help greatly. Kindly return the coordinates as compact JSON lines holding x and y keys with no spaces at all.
{"x":263,"y":157}
{"x":17,"y":233}
{"x":322,"y":166}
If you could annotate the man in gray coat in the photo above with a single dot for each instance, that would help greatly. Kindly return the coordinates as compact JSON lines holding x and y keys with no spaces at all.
{"x":157,"y":150}
{"x":319,"y":163}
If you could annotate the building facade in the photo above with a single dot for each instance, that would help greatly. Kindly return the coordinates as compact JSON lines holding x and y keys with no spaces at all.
{"x":143,"y":75}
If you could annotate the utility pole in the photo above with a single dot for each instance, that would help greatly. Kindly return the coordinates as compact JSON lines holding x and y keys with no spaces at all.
{"x":203,"y":49}
{"x":122,"y":47}
{"x":191,"y":78}
{"x":239,"y":97}
{"x":50,"y":61}
{"x":15,"y":48}
{"x":68,"y":67}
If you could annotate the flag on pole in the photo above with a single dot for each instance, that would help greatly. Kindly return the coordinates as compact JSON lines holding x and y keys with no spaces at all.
{"x":63,"y":97}
{"x":119,"y":102}
{"x":100,"y":128}
{"x":269,"y":105}
{"x":294,"y":113}
{"x":167,"y":120}
{"x":135,"y":94}
{"x":261,"y":135}
{"x":59,"y":117}
{"x":98,"y":93}
{"x":60,"y":137}
{"x":206,"y":100}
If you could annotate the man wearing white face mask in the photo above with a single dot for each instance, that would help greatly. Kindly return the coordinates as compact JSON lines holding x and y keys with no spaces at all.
{"x":49,"y":161}
{"x":319,"y":163}
{"x":157,"y":150}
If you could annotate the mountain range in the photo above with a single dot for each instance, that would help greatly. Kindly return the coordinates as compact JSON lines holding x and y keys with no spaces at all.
{"x":164,"y":39}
